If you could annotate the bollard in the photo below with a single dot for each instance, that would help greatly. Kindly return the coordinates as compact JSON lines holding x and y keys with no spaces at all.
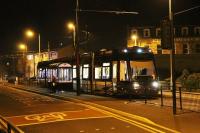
{"x":180,"y":96}
{"x":145,"y":91}
{"x":161,"y":94}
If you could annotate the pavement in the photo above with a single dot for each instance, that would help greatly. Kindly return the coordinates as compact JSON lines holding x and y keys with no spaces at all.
{"x":184,"y":121}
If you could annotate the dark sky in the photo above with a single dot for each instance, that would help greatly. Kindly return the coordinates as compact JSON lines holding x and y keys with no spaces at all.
{"x":49,"y":17}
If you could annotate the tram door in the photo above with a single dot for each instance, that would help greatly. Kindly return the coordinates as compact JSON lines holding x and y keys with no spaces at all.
{"x":114,"y":74}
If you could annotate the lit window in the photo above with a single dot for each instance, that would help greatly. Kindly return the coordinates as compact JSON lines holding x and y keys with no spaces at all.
{"x":106,"y":64}
{"x":102,"y":72}
{"x":97,"y":72}
{"x":86,"y":71}
{"x":65,"y":74}
{"x":74,"y":71}
{"x":106,"y":71}
{"x":146,"y":32}
{"x":158,"y":32}
{"x":134,"y":32}
{"x":114,"y":70}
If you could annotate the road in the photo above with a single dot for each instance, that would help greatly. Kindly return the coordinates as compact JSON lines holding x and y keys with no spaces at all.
{"x":34,"y":113}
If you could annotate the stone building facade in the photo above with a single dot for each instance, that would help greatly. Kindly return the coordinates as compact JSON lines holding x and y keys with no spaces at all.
{"x":187,"y":39}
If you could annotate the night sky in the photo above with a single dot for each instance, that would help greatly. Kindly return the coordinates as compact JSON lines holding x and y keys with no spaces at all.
{"x":49,"y":19}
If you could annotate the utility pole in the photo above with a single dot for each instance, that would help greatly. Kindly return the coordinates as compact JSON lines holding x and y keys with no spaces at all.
{"x":172,"y":52}
{"x":77,"y":54}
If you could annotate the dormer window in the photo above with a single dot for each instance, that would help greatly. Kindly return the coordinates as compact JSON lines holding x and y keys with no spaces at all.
{"x":158,"y":32}
{"x":197,"y":30}
{"x":184,"y":31}
{"x":146,"y":32}
{"x":134,"y":32}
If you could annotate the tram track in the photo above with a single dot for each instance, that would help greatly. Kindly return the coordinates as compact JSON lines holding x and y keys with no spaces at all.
{"x":132,"y":119}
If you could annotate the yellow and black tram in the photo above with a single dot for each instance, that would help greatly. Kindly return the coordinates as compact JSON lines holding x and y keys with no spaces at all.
{"x":131,"y":70}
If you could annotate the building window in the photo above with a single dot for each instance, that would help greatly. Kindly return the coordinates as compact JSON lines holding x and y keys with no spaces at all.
{"x":185,"y":49}
{"x":134,"y":32}
{"x":184,"y":31}
{"x":146,"y":32}
{"x":197,"y":48}
{"x":85,"y":71}
{"x":197,"y":30}
{"x":158,"y":32}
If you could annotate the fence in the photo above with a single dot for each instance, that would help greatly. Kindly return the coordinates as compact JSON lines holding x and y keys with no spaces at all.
{"x":7,"y":127}
{"x":184,"y":100}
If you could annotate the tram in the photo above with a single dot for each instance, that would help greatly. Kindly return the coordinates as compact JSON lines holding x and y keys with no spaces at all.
{"x":127,"y":71}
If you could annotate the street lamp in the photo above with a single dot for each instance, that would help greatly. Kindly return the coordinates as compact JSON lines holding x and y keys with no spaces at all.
{"x":23,"y":47}
{"x":30,"y":34}
{"x":134,"y":37}
{"x":71,"y":26}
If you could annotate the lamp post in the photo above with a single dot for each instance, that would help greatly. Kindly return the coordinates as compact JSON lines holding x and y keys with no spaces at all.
{"x":172,"y":52}
{"x":77,"y":51}
{"x":30,"y":34}
{"x":72,"y":27}
{"x":23,"y":47}
{"x":134,"y":37}
{"x":76,"y":48}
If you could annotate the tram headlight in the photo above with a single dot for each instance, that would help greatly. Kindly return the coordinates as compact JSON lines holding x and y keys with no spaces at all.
{"x":136,"y":85}
{"x":155,"y":84}
{"x":139,"y":50}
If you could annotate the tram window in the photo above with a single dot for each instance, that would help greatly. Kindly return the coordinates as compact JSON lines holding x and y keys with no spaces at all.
{"x":97,"y":72}
{"x":43,"y":73}
{"x":102,"y":72}
{"x":54,"y":72}
{"x":49,"y":74}
{"x":86,"y":71}
{"x":123,"y":71}
{"x":106,"y":71}
{"x":142,"y":68}
{"x":114,"y":70}
{"x":74,"y":71}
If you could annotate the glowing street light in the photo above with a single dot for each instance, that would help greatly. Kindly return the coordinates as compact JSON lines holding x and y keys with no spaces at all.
{"x":29,"y":33}
{"x":134,"y":37}
{"x":71,"y":26}
{"x":22,"y":46}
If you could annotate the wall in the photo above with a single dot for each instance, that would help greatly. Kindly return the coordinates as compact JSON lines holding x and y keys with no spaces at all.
{"x":190,"y":62}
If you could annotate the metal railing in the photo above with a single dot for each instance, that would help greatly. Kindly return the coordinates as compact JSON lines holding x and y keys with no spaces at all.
{"x":8,"y":127}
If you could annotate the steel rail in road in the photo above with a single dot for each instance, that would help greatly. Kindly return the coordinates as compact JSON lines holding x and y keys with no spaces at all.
{"x":135,"y":120}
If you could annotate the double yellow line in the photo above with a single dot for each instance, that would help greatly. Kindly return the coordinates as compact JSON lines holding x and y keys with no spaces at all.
{"x":135,"y":120}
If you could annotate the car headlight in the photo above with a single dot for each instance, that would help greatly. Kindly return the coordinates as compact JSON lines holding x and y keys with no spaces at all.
{"x":136,"y":85}
{"x":155,"y":84}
